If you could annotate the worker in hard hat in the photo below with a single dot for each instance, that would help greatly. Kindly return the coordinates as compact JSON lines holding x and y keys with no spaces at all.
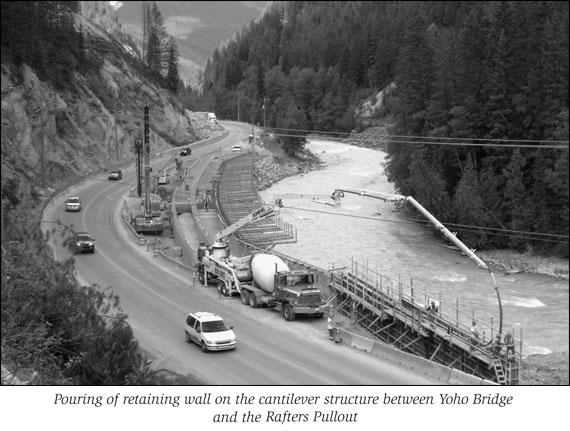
{"x":510,"y":343}
{"x":495,"y":346}
{"x":474,"y":333}
{"x":331,"y":325}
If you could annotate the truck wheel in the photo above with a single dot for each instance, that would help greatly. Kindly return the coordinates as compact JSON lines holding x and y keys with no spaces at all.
{"x":288,"y":313}
{"x":244,"y":295}
{"x":252,"y":300}
{"x":203,"y":346}
{"x":188,"y":340}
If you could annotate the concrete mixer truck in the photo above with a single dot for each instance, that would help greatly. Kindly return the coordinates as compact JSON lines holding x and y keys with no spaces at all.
{"x":215,"y":264}
{"x":273,"y":284}
{"x":262,"y":280}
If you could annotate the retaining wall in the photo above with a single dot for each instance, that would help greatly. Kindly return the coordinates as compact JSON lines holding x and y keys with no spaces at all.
{"x":445,"y":375}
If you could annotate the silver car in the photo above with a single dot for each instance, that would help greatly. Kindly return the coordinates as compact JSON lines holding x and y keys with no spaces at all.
{"x":209,"y":331}
{"x":73,"y":203}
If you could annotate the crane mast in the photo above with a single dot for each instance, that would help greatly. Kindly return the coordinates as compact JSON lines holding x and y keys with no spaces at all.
{"x":147,"y":209}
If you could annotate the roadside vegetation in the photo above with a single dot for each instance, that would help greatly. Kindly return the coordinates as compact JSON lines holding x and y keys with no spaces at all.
{"x":54,"y":331}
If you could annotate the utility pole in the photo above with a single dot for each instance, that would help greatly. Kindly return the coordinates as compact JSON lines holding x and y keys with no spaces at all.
{"x":238,"y":105}
{"x":115,"y":118}
{"x":147,"y":209}
{"x":138,"y":151}
{"x":42,"y":142}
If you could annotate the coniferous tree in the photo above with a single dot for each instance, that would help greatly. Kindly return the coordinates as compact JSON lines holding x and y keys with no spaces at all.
{"x":172,"y":74}
{"x":426,"y":185}
{"x":414,"y":76}
{"x":157,"y":42}
{"x":515,"y":198}
{"x":468,"y":206}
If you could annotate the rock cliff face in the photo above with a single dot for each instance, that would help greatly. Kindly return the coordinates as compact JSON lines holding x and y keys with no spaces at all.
{"x":102,"y":14}
{"x":51,"y":136}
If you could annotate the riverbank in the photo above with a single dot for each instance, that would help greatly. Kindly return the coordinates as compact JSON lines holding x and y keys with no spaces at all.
{"x":512,"y":262}
{"x":546,"y":370}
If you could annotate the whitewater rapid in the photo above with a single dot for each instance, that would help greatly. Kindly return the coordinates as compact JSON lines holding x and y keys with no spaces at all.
{"x":372,"y":232}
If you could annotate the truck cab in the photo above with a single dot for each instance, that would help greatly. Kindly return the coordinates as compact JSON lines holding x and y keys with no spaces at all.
{"x":296,"y":292}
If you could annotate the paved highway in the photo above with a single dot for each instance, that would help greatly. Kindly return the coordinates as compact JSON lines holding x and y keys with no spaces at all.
{"x":270,"y":350}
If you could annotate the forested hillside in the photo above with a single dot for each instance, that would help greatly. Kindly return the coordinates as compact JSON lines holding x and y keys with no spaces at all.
{"x":480,"y":106}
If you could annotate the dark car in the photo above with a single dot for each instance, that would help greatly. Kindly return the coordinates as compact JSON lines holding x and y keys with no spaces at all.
{"x":185,"y":152}
{"x":116,"y":175}
{"x":83,"y":243}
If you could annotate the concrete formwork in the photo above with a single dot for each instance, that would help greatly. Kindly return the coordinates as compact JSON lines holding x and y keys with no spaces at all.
{"x":394,"y":314}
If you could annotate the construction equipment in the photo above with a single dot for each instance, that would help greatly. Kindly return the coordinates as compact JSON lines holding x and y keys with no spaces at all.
{"x":387,"y":197}
{"x":215,"y":262}
{"x":150,"y":221}
{"x":261,"y":279}
{"x":258,"y":214}
{"x":273,"y":284}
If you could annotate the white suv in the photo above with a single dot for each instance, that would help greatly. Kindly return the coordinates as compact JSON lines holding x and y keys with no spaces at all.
{"x":209,"y":331}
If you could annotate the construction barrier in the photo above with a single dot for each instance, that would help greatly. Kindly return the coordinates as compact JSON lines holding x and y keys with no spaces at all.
{"x":359,"y":342}
{"x":183,"y":207}
{"x":187,"y":252}
{"x":419,"y":365}
{"x":173,"y":263}
{"x":457,"y":377}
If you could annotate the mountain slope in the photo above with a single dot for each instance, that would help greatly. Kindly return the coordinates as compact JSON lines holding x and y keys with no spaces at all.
{"x":54,"y":135}
{"x":198,"y":27}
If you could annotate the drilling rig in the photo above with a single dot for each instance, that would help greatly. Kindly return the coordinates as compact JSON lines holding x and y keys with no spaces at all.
{"x":150,"y":221}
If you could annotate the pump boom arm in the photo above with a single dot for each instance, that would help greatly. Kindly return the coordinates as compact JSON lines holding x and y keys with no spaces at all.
{"x":258,"y":214}
{"x":387,"y":197}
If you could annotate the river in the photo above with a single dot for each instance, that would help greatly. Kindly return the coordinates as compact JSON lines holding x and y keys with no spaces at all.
{"x":372,"y":232}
